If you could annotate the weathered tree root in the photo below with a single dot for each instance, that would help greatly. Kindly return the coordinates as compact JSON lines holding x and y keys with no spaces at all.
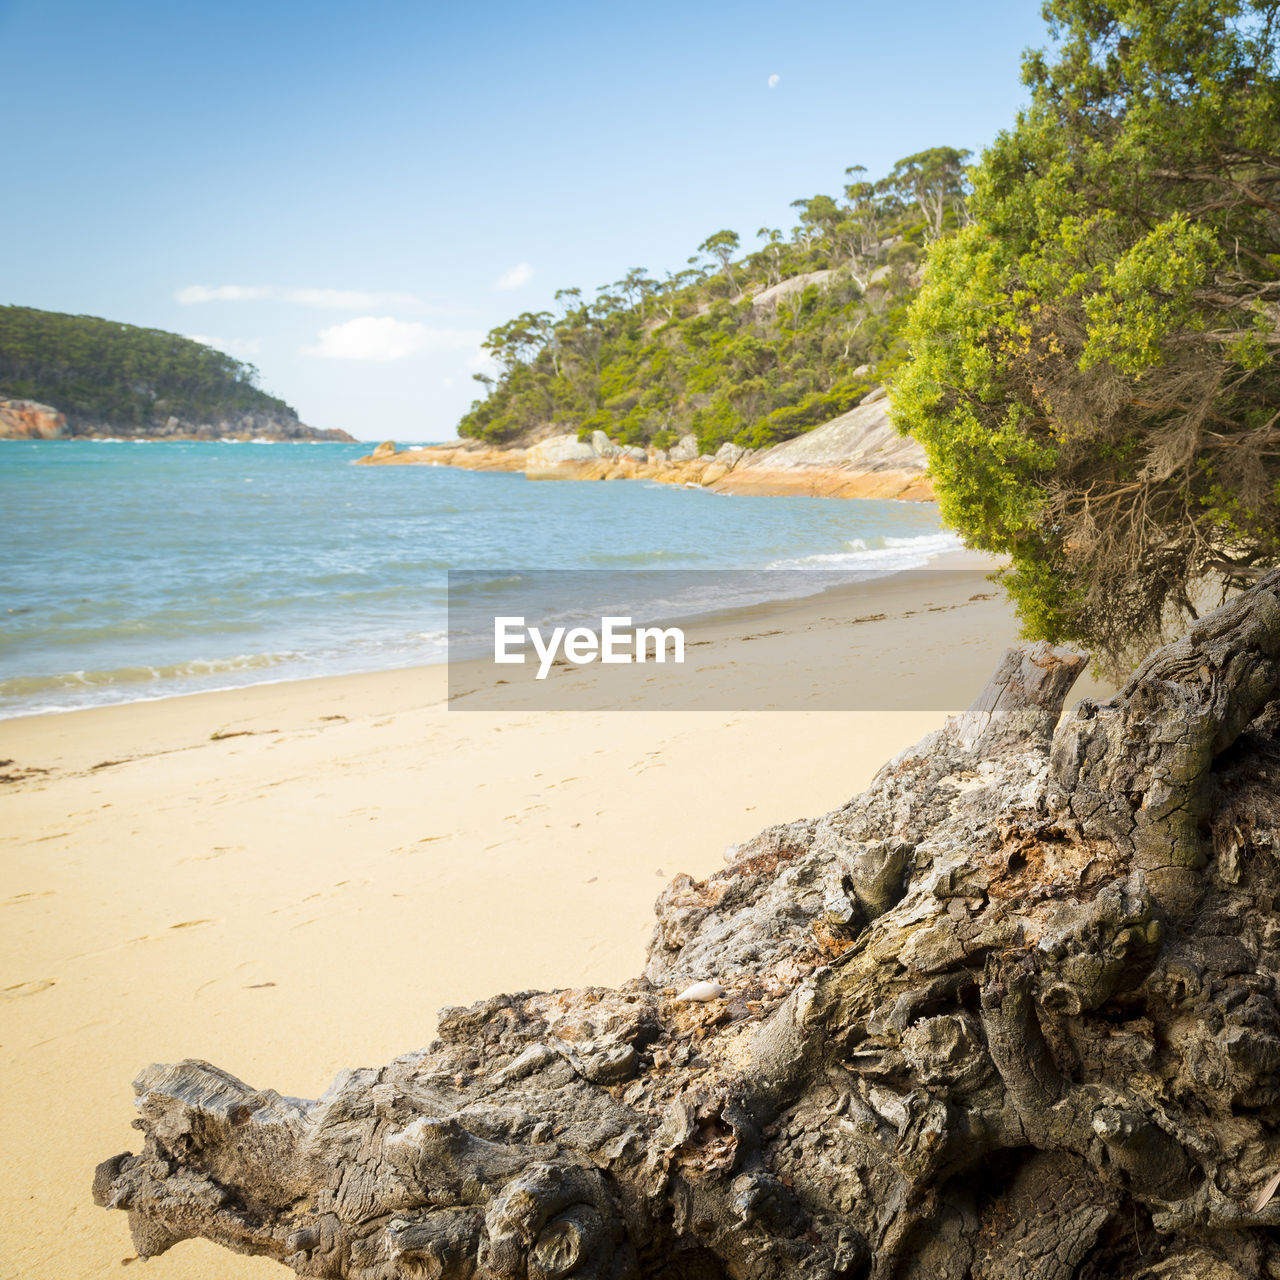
{"x":1010,"y":1013}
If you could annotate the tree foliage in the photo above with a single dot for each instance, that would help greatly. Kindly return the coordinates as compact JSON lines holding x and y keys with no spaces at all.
{"x":1092,"y":368}
{"x":650,"y":360}
{"x":99,"y":371}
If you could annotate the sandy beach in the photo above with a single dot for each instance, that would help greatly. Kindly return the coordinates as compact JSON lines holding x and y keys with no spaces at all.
{"x":290,"y":879}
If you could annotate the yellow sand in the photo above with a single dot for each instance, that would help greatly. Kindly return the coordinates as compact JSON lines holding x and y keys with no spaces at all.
{"x":291,"y":879}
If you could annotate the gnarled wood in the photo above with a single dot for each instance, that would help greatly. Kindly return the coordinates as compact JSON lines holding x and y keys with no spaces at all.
{"x":1011,"y":1013}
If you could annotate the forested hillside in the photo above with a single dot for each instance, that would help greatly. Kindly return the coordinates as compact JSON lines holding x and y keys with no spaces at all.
{"x":749,"y":347}
{"x":108,"y":376}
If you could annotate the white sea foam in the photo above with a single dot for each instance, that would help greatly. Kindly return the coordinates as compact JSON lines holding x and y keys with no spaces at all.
{"x":22,"y":686}
{"x":885,"y":555}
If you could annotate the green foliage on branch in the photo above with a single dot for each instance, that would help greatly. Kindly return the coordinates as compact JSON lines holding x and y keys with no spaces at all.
{"x":102,"y":372}
{"x":648,"y":361}
{"x":1092,"y":362}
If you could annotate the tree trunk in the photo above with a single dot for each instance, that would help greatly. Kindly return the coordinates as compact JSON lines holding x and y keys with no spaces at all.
{"x":1010,"y":1013}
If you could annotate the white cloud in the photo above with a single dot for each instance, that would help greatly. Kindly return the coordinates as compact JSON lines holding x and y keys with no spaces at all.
{"x":333,"y":299}
{"x":241,"y":348}
{"x":194,"y":293}
{"x":516,"y":278}
{"x":382,"y":338}
{"x":774,"y":81}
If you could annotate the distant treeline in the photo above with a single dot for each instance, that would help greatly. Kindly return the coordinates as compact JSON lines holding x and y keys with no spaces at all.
{"x":100,"y":371}
{"x":650,"y":360}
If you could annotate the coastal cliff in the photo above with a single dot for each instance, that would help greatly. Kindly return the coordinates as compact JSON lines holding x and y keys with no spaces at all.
{"x":857,"y":455}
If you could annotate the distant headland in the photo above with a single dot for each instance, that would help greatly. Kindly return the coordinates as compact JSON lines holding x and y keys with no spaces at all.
{"x":81,"y":377}
{"x":856,"y":455}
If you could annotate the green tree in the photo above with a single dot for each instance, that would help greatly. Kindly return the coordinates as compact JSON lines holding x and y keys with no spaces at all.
{"x":1093,"y":371}
{"x":819,"y":215}
{"x":722,"y":246}
{"x":519,"y":340}
{"x":935,"y":180}
{"x":637,"y":287}
{"x":865,"y":214}
{"x":771,"y":253}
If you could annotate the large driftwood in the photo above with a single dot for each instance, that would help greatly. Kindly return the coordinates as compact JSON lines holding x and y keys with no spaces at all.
{"x":1010,"y":1013}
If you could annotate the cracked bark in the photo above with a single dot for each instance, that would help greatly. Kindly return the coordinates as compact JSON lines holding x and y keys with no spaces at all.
{"x":1012,"y":1012}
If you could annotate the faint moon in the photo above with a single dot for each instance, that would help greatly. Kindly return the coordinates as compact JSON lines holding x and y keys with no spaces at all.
{"x":773,"y":81}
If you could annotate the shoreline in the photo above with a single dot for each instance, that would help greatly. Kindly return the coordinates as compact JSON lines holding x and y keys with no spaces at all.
{"x":957,"y":559}
{"x":731,"y":471}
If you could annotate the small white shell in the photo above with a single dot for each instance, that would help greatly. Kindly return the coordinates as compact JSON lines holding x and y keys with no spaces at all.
{"x":701,"y":992}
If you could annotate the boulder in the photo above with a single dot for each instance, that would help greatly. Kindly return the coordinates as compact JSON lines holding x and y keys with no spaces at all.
{"x":685,"y":449}
{"x":603,"y":446}
{"x":30,"y":420}
{"x":557,"y":450}
{"x":728,"y":455}
{"x":385,"y":450}
{"x":557,"y":458}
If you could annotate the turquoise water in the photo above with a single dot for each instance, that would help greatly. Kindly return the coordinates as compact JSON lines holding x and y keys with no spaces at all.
{"x":144,"y":570}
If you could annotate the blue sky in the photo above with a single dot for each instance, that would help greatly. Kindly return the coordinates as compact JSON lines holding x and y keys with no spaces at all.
{"x":351,"y":195}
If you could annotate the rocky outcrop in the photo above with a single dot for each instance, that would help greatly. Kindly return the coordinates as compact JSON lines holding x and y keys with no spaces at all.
{"x":685,"y":449}
{"x":560,"y":457}
{"x":29,"y":420}
{"x":768,"y":299}
{"x":858,"y":455}
{"x":468,"y":455}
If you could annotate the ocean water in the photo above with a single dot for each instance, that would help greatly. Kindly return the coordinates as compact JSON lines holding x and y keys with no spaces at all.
{"x":140,"y":570}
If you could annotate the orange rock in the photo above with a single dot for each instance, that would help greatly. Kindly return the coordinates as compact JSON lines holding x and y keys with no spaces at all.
{"x":828,"y":482}
{"x":814,"y":480}
{"x":30,"y":420}
{"x":467,"y":456}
